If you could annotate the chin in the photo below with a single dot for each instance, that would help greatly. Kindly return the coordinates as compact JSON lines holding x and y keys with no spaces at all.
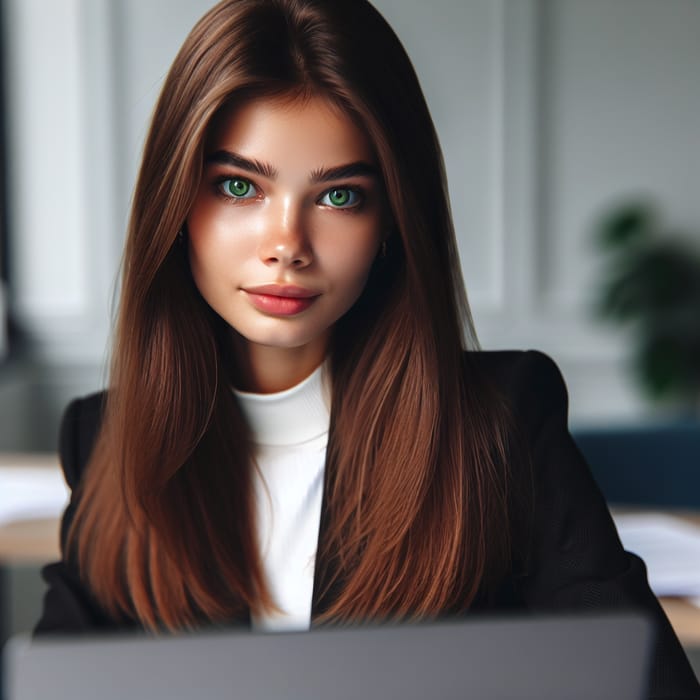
{"x":281,"y":340}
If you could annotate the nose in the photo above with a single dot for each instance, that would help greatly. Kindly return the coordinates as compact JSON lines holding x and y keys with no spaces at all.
{"x":285,"y":242}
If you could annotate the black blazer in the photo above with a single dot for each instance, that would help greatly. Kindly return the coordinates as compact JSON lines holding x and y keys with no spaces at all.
{"x":568,"y":556}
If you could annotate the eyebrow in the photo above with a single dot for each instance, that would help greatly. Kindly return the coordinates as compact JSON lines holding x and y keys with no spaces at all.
{"x":357,"y":169}
{"x":222,"y":157}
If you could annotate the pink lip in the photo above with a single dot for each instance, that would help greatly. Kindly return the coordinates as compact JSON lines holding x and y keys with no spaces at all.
{"x":281,"y":300}
{"x":282,"y":290}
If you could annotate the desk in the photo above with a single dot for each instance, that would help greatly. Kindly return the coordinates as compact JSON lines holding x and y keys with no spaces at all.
{"x":685,"y":619}
{"x":684,"y":616}
{"x":36,"y":542}
{"x":29,"y":541}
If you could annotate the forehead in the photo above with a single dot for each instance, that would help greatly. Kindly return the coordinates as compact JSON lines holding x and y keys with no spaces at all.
{"x":293,"y":130}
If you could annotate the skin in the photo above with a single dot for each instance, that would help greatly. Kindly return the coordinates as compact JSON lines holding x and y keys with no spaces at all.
{"x":280,"y":245}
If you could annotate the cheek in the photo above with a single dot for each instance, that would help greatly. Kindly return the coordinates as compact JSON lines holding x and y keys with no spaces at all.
{"x":351,"y":264}
{"x":212,"y":245}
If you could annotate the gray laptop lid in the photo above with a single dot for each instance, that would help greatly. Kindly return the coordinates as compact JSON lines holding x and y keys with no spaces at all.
{"x":550,"y":658}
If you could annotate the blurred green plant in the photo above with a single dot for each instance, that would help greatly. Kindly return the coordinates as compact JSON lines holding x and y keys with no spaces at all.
{"x":651,"y":284}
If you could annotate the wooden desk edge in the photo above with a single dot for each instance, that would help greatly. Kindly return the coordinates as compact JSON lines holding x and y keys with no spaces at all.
{"x":30,"y":541}
{"x":684,"y":618}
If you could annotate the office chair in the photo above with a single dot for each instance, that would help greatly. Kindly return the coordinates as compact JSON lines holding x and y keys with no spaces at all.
{"x":656,"y":465}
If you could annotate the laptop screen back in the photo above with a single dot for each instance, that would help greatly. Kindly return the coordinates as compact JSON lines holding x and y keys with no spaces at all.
{"x":543,"y":658}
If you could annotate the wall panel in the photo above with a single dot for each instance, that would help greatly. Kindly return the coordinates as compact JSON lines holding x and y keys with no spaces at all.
{"x":548,"y":111}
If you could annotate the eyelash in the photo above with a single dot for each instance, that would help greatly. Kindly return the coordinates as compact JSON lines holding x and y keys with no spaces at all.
{"x":357,"y":192}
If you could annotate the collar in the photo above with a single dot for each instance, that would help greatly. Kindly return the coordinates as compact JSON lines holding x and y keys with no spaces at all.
{"x":290,"y":417}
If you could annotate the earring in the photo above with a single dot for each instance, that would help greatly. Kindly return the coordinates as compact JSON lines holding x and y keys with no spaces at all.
{"x":180,"y":236}
{"x":382,"y":249}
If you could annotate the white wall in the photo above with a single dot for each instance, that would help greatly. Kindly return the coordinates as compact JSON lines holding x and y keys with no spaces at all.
{"x":60,"y":176}
{"x":548,"y":111}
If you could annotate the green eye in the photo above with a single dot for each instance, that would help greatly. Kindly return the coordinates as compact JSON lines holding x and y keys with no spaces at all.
{"x":341,"y":197}
{"x":238,"y":188}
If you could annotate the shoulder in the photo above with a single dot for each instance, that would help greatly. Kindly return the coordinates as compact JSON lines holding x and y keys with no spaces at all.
{"x":528,"y":380}
{"x":79,"y":428}
{"x":532,"y":393}
{"x":515,"y":369}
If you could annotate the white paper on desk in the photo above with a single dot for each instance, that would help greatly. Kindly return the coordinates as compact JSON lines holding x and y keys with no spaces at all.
{"x":670,"y":547}
{"x":31,"y":492}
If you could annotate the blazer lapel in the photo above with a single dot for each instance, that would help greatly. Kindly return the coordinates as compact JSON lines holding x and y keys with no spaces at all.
{"x":327,"y":585}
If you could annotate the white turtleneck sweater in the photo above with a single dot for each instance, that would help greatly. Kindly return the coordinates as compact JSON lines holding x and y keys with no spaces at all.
{"x":290,"y":430}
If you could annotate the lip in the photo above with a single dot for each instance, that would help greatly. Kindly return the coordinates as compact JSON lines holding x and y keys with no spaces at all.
{"x":283,"y":290}
{"x":281,"y":300}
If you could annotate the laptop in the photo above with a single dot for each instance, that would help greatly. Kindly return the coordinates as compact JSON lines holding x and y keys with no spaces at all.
{"x":485,"y":658}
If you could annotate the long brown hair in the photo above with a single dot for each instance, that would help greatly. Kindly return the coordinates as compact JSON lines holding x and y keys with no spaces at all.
{"x":415,"y":517}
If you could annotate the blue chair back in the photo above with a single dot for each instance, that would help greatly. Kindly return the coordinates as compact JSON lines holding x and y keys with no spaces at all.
{"x":656,"y":465}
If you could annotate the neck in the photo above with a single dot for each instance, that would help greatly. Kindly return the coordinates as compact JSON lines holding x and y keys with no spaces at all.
{"x":266,"y":369}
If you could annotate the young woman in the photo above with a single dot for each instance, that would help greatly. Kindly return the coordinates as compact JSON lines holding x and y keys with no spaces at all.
{"x":294,"y":433}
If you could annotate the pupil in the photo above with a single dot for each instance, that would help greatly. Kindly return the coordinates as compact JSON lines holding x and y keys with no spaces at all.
{"x":238,"y":187}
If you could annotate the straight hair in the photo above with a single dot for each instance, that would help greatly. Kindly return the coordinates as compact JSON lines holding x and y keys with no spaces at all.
{"x":415,"y":520}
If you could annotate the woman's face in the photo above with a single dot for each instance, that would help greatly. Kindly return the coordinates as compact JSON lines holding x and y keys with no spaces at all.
{"x":285,"y":227}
